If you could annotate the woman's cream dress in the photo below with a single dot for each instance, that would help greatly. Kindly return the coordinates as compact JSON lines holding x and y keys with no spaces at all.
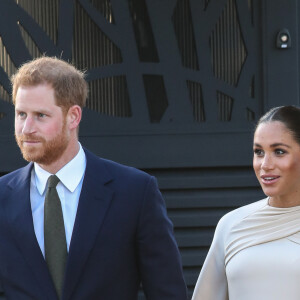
{"x":255,"y":255}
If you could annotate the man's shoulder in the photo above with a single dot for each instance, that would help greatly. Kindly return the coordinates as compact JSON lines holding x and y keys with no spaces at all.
{"x":14,"y":175}
{"x":115,"y":168}
{"x":124,"y":169}
{"x":121,"y":177}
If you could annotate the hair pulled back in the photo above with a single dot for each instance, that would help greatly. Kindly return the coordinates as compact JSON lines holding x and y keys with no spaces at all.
{"x":288,"y":115}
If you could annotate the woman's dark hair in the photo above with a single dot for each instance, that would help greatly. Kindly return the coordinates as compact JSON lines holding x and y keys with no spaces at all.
{"x":288,"y":115}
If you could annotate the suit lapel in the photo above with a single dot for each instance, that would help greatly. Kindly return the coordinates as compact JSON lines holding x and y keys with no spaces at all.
{"x":93,"y":204}
{"x":21,"y":223}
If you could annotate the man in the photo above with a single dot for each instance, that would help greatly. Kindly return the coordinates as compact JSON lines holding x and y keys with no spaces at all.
{"x":96,"y":229}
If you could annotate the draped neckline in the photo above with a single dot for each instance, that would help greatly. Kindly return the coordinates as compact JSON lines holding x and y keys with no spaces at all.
{"x":264,"y":224}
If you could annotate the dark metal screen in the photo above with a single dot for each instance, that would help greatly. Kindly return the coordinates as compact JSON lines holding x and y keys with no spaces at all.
{"x":119,"y":44}
{"x":174,"y":89}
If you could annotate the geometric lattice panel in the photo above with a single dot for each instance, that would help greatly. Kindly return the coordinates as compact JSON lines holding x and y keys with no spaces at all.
{"x":109,"y":96}
{"x":225,"y":105}
{"x":45,"y":13}
{"x":183,"y":27}
{"x":141,"y":23}
{"x":30,"y":44}
{"x":105,"y":8}
{"x":91,"y":47}
{"x":4,"y":95}
{"x":196,"y":100}
{"x":228,"y":51}
{"x":156,"y":97}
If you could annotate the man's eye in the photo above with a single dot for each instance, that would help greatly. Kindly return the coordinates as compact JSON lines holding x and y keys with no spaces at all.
{"x":41,"y":115}
{"x":21,"y":114}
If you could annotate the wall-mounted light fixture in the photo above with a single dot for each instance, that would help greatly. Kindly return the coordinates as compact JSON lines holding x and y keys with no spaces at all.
{"x":283,"y":40}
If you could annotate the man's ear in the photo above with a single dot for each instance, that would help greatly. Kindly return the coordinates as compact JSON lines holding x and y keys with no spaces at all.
{"x":74,"y":115}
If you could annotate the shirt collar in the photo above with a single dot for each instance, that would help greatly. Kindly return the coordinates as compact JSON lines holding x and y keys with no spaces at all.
{"x":70,"y":175}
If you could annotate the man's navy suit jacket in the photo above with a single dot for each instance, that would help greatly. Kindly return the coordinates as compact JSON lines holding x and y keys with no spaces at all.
{"x":121,"y":237}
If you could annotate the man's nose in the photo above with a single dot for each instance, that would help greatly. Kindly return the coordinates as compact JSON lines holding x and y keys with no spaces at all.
{"x":28,"y":126}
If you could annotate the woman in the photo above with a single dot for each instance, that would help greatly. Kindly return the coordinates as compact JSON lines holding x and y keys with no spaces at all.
{"x":255,"y":254}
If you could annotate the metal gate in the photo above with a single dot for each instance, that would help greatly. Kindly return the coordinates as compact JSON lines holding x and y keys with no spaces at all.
{"x":175,"y":89}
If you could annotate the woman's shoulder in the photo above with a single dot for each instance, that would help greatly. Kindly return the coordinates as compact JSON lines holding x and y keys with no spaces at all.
{"x":236,"y":215}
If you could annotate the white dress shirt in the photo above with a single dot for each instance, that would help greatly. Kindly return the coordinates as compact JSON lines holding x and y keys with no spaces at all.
{"x":68,"y":189}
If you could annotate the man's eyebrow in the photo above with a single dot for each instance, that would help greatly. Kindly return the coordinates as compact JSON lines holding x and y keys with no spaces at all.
{"x":37,"y":111}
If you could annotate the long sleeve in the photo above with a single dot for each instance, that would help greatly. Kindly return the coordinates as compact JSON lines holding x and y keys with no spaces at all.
{"x":212,"y":281}
{"x":159,"y":258}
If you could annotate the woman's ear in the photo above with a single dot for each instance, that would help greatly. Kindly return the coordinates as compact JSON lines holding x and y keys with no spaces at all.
{"x":74,"y":115}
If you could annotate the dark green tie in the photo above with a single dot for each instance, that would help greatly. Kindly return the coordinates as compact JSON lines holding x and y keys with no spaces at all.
{"x":55,"y":236}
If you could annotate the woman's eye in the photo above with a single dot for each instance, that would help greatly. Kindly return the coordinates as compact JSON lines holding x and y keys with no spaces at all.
{"x":280,"y":152}
{"x":258,"y":152}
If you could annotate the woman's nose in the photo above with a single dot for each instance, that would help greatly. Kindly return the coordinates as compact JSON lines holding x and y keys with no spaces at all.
{"x":267,"y":163}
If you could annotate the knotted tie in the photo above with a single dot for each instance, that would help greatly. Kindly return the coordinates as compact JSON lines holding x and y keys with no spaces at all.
{"x":54,"y":235}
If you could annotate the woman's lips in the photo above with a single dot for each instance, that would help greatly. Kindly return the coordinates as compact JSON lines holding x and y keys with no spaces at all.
{"x":269,"y":179}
